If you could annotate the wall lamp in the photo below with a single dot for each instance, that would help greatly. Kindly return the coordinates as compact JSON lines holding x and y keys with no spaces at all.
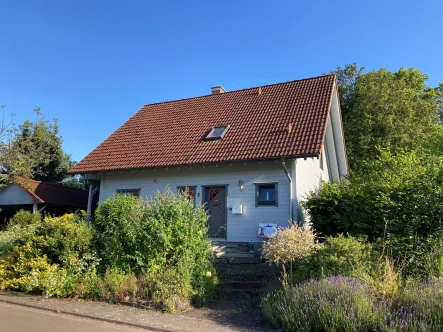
{"x":240,"y":184}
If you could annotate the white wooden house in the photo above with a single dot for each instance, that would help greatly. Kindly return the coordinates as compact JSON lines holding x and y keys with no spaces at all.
{"x":250,"y":155}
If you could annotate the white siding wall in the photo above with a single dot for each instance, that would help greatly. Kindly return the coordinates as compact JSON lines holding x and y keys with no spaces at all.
{"x":239,"y":227}
{"x":14,"y":195}
{"x":309,"y":176}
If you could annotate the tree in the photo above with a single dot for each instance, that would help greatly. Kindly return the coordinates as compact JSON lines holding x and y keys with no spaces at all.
{"x":383,"y":109}
{"x":35,"y":151}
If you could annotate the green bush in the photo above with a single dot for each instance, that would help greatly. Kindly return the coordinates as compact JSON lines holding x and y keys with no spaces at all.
{"x":44,"y":255}
{"x":156,"y":251}
{"x":152,"y":236}
{"x":347,"y":256}
{"x":20,"y":229}
{"x":290,"y":244}
{"x":24,"y":218}
{"x":395,"y":201}
{"x":118,"y":285}
{"x":333,"y":304}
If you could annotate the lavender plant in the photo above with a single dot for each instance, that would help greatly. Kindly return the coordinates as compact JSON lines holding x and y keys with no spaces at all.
{"x":332,"y":304}
{"x":421,"y":304}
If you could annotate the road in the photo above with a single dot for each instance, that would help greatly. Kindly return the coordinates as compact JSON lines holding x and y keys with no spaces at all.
{"x":15,"y":318}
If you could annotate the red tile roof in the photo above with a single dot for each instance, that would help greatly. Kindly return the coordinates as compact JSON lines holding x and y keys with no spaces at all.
{"x":53,"y":194}
{"x":172,"y":133}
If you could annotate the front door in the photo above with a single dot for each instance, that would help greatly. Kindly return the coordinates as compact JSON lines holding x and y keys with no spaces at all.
{"x":215,"y":199}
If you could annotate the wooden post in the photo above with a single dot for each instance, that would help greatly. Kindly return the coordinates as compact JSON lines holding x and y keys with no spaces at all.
{"x":88,"y":211}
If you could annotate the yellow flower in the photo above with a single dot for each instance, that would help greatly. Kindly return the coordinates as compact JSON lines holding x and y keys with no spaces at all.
{"x":200,"y":232}
{"x":208,"y":274}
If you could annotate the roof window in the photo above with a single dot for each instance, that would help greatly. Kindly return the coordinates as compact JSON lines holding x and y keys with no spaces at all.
{"x":217,"y":132}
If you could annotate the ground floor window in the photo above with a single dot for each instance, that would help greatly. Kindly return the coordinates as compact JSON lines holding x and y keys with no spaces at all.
{"x":133,"y":192}
{"x":266,"y":194}
{"x":189,"y":191}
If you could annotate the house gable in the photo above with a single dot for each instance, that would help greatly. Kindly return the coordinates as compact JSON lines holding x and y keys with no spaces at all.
{"x":330,"y":165}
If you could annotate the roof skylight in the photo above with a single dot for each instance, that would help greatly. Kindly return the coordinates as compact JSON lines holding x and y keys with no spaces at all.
{"x":217,"y":132}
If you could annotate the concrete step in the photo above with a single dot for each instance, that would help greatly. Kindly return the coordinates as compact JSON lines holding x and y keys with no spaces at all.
{"x":241,"y":284}
{"x":229,"y":244}
{"x":259,"y":269}
{"x":236,"y":260}
{"x":233,"y":249}
{"x":248,"y":272}
{"x":224,"y":254}
{"x":238,"y":292}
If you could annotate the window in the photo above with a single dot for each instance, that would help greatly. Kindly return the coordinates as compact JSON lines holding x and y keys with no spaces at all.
{"x":188,"y":190}
{"x":133,"y":192}
{"x":217,"y":132}
{"x":266,"y":194}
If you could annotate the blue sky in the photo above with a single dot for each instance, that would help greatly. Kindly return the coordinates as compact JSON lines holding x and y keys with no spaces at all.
{"x":93,"y":64}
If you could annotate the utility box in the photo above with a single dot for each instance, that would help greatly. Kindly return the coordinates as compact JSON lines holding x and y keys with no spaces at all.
{"x":237,"y":209}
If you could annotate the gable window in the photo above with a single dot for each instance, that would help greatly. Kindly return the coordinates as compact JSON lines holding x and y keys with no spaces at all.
{"x":217,"y":132}
{"x":133,"y":192}
{"x":266,"y":194}
{"x":189,"y":191}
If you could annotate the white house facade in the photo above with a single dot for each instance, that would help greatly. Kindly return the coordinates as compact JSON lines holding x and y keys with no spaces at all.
{"x":239,"y":192}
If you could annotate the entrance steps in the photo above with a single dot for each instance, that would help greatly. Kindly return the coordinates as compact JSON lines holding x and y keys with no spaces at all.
{"x":246,"y":280}
{"x":234,"y":253}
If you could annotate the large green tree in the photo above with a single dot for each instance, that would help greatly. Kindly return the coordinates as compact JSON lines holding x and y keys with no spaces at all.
{"x":384,"y":109}
{"x":34,"y":150}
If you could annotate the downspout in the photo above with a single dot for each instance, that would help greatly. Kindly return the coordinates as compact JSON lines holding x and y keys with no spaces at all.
{"x":283,"y":164}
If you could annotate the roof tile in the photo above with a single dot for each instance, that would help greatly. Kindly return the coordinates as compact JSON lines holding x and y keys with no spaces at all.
{"x":172,"y":133}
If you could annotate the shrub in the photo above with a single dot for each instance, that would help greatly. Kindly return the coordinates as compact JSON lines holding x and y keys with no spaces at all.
{"x":347,"y":256}
{"x":333,"y":304}
{"x":290,"y":244}
{"x":24,"y":218}
{"x":148,"y":237}
{"x":118,"y":285}
{"x":20,"y":229}
{"x":152,"y":250}
{"x":44,"y":256}
{"x":396,"y":198}
{"x":384,"y":280}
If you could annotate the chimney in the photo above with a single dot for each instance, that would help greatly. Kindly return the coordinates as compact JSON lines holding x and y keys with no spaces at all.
{"x":216,"y":90}
{"x":289,"y":127}
{"x":259,"y":90}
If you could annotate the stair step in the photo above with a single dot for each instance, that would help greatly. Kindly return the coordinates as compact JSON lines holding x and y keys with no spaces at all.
{"x":223,"y":254}
{"x":230,"y":249}
{"x":228,"y":244}
{"x":238,"y":293}
{"x":237,"y":260}
{"x":241,"y":284}
{"x":248,"y":278}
